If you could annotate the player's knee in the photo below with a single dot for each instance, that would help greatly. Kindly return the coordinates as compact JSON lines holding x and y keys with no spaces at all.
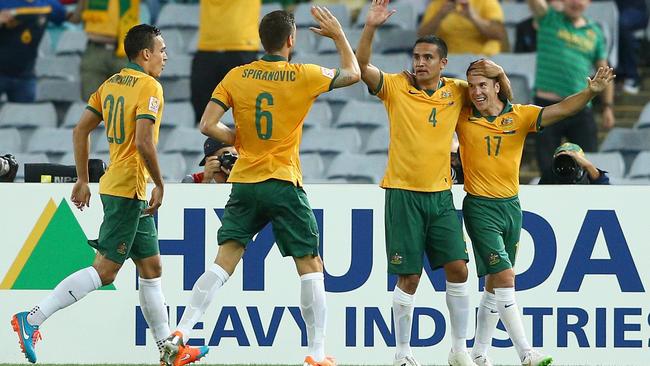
{"x":456,"y":271}
{"x":408,"y":283}
{"x":503,"y":279}
{"x":107,"y":275}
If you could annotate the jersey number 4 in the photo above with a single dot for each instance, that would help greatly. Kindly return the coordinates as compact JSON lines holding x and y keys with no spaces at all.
{"x":263,"y":115}
{"x":114,"y":125}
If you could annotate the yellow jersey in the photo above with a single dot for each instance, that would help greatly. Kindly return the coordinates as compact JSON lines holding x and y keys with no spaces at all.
{"x":460,"y":34}
{"x":111,"y":18}
{"x":422,"y":125}
{"x":120,"y":101}
{"x":491,"y":148}
{"x":229,"y":25}
{"x":270,"y":99}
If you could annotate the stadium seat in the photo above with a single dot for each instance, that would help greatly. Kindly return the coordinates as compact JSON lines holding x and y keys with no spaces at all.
{"x":356,"y":168}
{"x":405,"y":17}
{"x":644,"y":118}
{"x":304,"y":19}
{"x":457,"y":64}
{"x":45,"y":47}
{"x":611,"y":162}
{"x":10,"y":141}
{"x":193,"y":44}
{"x":73,"y":114}
{"x":68,"y":158}
{"x":514,"y":13}
{"x":23,"y":158}
{"x":520,"y":90}
{"x":362,"y":114}
{"x":172,"y":167}
{"x":28,"y":115}
{"x":396,"y":40}
{"x":58,"y":90}
{"x":312,"y":167}
{"x":522,"y":64}
{"x":355,"y":91}
{"x":184,"y":140}
{"x":99,"y":144}
{"x":61,"y":67}
{"x":176,"y":90}
{"x":179,"y":16}
{"x":393,"y":63}
{"x":267,"y":8}
{"x":178,"y":66}
{"x":353,"y":36}
{"x":228,"y":119}
{"x":626,"y":140}
{"x":378,"y":141}
{"x":606,"y":14}
{"x":50,"y":140}
{"x":319,"y":116}
{"x":72,"y":41}
{"x":330,"y":141}
{"x":641,"y":166}
{"x":307,"y":42}
{"x":174,"y":43}
{"x":178,"y":115}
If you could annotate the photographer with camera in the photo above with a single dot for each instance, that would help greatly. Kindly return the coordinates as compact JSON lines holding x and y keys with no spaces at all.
{"x":8,"y":168}
{"x":218,"y":161}
{"x":570,"y":166}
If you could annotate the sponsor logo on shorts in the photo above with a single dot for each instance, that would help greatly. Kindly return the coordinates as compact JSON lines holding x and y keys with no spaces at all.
{"x":396,"y":259}
{"x":121,"y":249}
{"x":494,"y":259}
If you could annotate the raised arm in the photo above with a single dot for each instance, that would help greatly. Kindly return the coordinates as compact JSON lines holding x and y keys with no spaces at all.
{"x":431,"y":26}
{"x":538,"y":7}
{"x":212,"y":126}
{"x":377,"y":15}
{"x":330,"y":27}
{"x":607,"y":100}
{"x":81,"y":144}
{"x":576,"y":102}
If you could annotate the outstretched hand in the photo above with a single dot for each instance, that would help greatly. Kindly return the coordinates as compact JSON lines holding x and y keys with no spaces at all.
{"x":378,"y":13}
{"x":601,"y":80}
{"x":329,"y":25}
{"x":80,"y":195}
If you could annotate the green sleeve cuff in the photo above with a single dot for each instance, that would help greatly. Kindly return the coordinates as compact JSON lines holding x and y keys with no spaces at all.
{"x":336,"y":76}
{"x":222,"y":104}
{"x":538,"y":124}
{"x":379,"y":86}
{"x":94,"y":111}
{"x":145,"y":116}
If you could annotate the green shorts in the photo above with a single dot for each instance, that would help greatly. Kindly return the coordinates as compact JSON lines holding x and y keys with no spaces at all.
{"x":494,"y":227}
{"x":418,"y":223}
{"x":125,"y":232}
{"x":253,"y":205}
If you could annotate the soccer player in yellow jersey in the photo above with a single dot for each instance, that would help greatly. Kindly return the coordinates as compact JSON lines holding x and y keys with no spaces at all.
{"x":492,"y":134}
{"x":131,"y":104}
{"x":270,"y":99}
{"x":419,"y":212}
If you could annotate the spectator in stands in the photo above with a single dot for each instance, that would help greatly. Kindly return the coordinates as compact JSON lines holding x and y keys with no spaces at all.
{"x":218,"y":161}
{"x":105,"y":24}
{"x":22,"y":24}
{"x":227,"y":38}
{"x":570,"y":166}
{"x":468,"y":26}
{"x":526,"y":31}
{"x":633,"y":16}
{"x":569,"y":45}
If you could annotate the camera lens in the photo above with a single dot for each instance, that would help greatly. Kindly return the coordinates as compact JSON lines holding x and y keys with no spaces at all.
{"x":565,"y":168}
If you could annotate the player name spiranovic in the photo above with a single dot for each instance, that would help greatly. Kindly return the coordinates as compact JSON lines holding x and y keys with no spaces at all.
{"x":269,"y":75}
{"x":124,"y":80}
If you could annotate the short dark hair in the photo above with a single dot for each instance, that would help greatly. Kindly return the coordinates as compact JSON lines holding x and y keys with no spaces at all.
{"x":442,"y":45}
{"x":138,"y":38}
{"x":275,"y":28}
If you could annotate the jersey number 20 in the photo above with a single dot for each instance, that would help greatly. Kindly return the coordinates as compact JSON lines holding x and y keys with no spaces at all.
{"x":115,"y":126}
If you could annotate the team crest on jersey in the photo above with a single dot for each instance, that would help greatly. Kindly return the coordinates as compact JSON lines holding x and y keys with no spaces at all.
{"x":328,"y":72}
{"x":494,"y":259}
{"x":154,"y":104}
{"x":446,"y":94}
{"x":396,"y":259}
{"x":506,"y":122}
{"x":121,"y":249}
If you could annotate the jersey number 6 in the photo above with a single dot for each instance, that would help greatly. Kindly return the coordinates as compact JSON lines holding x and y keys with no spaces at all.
{"x":261,"y":114}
